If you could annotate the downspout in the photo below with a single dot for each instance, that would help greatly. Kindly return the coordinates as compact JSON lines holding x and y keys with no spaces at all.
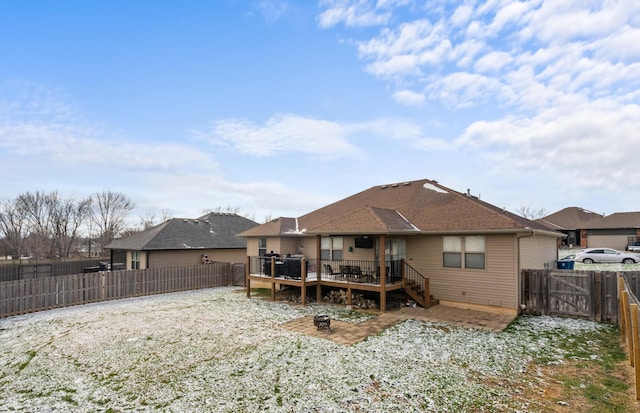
{"x":520,"y":292}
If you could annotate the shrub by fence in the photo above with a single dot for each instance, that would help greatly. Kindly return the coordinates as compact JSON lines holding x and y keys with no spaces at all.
{"x":38,"y":294}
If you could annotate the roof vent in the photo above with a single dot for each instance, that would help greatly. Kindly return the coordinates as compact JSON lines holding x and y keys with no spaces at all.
{"x":406,"y":183}
{"x":394,"y":185}
{"x":185,"y":220}
{"x":383,"y":187}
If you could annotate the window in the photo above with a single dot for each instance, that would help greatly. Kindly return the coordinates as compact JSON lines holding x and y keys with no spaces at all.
{"x":470,"y":247}
{"x":262,"y":247}
{"x":452,"y":252}
{"x":331,"y":248}
{"x":135,"y":260}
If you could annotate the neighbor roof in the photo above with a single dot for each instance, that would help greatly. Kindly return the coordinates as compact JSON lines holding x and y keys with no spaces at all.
{"x":211,"y":231}
{"x":570,"y":218}
{"x":617,"y":221}
{"x":422,"y":206}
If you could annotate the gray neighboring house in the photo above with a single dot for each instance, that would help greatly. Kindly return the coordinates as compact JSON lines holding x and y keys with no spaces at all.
{"x":573,"y":222}
{"x":184,"y":241}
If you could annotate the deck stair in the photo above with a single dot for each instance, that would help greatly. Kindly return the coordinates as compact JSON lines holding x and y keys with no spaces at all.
{"x":416,"y":286}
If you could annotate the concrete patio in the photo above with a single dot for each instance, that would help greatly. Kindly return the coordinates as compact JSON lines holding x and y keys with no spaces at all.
{"x":347,"y":334}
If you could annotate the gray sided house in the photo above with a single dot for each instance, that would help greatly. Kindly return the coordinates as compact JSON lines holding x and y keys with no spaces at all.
{"x":573,"y":222}
{"x":421,"y":237}
{"x":184,"y":241}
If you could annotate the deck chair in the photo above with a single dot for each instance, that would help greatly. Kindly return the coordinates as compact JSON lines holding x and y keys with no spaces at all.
{"x":329,"y":270}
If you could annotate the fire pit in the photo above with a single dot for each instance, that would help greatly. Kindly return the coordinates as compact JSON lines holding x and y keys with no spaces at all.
{"x":322,"y":322}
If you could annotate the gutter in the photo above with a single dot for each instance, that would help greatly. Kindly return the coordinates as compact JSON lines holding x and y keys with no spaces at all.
{"x":519,"y":237}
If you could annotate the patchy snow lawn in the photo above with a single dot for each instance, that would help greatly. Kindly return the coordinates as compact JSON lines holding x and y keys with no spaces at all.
{"x":216,"y":350}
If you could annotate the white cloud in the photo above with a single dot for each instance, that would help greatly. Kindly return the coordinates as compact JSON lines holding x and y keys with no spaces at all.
{"x":271,"y":10}
{"x":408,"y":97}
{"x":575,"y":141}
{"x":286,"y":133}
{"x":572,"y":42}
{"x":461,"y":16}
{"x":463,"y":89}
{"x":492,"y":62}
{"x":351,"y":13}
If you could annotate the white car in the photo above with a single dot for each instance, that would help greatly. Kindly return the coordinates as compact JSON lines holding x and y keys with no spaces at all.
{"x":605,"y":255}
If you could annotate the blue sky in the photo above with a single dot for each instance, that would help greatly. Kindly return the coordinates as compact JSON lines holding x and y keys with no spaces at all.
{"x":280,"y":107}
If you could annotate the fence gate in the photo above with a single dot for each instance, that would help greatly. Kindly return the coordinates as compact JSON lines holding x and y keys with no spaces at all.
{"x":238,"y":276}
{"x":570,"y":295}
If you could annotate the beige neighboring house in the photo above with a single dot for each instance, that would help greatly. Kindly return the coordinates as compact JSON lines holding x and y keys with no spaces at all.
{"x":430,"y":241}
{"x":184,"y":241}
{"x":571,"y":221}
{"x":619,"y":231}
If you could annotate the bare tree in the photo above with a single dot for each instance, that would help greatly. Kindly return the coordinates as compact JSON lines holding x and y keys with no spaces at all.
{"x":67,"y":216}
{"x":527,"y":211}
{"x":38,"y":214}
{"x":109,"y":211}
{"x":13,"y":226}
{"x":147,"y":220}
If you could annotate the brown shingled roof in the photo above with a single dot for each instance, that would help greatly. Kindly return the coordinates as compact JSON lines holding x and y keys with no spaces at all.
{"x":570,"y":218}
{"x":617,"y":220}
{"x":420,"y":206}
{"x":279,"y":226}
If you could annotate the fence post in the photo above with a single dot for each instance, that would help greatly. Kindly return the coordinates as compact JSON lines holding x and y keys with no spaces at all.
{"x":597,"y":297}
{"x":622,"y":320}
{"x":635,"y":355}
{"x":629,"y":329}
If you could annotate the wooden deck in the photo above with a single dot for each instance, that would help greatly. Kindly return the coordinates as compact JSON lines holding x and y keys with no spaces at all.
{"x":351,"y":276}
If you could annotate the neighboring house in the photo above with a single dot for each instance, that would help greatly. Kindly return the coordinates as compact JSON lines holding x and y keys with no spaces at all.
{"x":571,"y":221}
{"x":613,"y":231}
{"x":183,"y":241}
{"x":418,"y":236}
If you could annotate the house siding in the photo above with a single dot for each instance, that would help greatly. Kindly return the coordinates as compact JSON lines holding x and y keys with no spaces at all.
{"x":496,"y":285}
{"x":162,"y":259}
{"x":537,"y":252}
{"x":609,"y":239}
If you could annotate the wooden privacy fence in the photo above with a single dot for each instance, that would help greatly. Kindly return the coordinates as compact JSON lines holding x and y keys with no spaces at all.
{"x":38,"y":294}
{"x":629,"y":324}
{"x":10,"y":272}
{"x":591,"y":295}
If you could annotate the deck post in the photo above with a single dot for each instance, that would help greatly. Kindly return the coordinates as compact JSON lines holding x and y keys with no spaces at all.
{"x":319,"y":268}
{"x":427,"y":294}
{"x":383,"y":275}
{"x":303,"y":288}
{"x":247,"y":276}
{"x":273,"y":278}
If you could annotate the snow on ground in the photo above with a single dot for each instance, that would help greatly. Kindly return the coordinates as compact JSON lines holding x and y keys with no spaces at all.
{"x":215,"y":350}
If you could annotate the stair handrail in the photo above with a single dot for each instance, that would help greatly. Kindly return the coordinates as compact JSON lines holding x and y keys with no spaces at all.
{"x":417,"y":282}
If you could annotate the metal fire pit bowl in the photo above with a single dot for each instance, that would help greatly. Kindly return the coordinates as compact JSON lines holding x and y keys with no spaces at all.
{"x":322,"y":322}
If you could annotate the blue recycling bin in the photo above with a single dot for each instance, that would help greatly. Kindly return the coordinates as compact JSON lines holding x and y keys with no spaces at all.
{"x":565,"y":264}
